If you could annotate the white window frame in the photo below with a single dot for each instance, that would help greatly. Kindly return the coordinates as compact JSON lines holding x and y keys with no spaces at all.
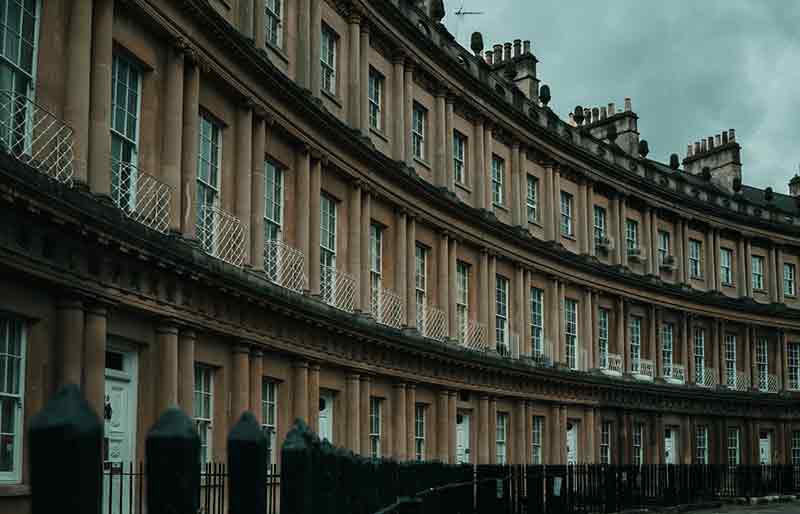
{"x":605,"y":442}
{"x":571,"y":332}
{"x":125,"y":139}
{"x":599,"y":224}
{"x":462,"y":299}
{"x":419,"y":431}
{"x":638,"y":454}
{"x":725,"y":266}
{"x":501,"y":312}
{"x":328,"y":59}
{"x":762,"y":362}
{"x":701,"y":444}
{"x":667,"y":338}
{"x":734,"y":454}
{"x":498,"y":177}
{"x":757,"y":267}
{"x":13,"y":331}
{"x":796,"y":448}
{"x":419,"y":117}
{"x":532,"y":199}
{"x":793,"y":358}
{"x":695,"y":258}
{"x":459,"y":157}
{"x":501,"y":433}
{"x":730,"y":360}
{"x":375,"y":267}
{"x":700,"y":355}
{"x":269,"y":417}
{"x":663,"y":246}
{"x":789,"y":284}
{"x":375,"y":426}
{"x":420,"y":284}
{"x":273,"y":214}
{"x":204,"y":421}
{"x":327,"y":243}
{"x":567,"y":225}
{"x":209,"y":188}
{"x":273,"y":18}
{"x":602,"y":336}
{"x":375,"y":99}
{"x":636,"y":343}
{"x":632,"y":234}
{"x":537,"y":321}
{"x":537,"y":432}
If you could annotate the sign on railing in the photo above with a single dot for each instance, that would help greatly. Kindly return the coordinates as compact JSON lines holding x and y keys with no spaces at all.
{"x":141,"y":196}
{"x":33,"y":135}
{"x":221,"y":234}
{"x":337,"y":288}
{"x":285,"y":265}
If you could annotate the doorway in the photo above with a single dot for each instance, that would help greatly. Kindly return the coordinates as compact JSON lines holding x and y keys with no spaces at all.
{"x":671,"y":445}
{"x":765,"y":447}
{"x":572,"y":442}
{"x":326,"y":416}
{"x":462,"y":438}
{"x":119,"y":419}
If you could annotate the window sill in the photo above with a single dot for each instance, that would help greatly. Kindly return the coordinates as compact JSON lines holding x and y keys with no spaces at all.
{"x":425,"y":164}
{"x":379,"y":134}
{"x":464,"y":187}
{"x":728,"y":284}
{"x":500,"y":206}
{"x":332,"y":97}
{"x":570,"y":237}
{"x":536,"y":223}
{"x":696,"y":277}
{"x":790,"y":296}
{"x":759,"y":290}
{"x":10,"y":490}
{"x":278,"y":50}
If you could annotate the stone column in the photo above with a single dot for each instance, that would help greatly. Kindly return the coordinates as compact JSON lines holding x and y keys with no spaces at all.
{"x":624,"y":334}
{"x":582,"y":222}
{"x":516,"y":218}
{"x":483,"y":284}
{"x":713,"y":261}
{"x":526,"y":344}
{"x":78,"y":71}
{"x":354,"y":242}
{"x":594,"y":360}
{"x":591,"y":248}
{"x":257,"y":193}
{"x":315,"y":40}
{"x":551,"y":319}
{"x":622,"y":245}
{"x":302,"y":194}
{"x":173,"y":124}
{"x":527,"y":456}
{"x":779,"y":274}
{"x":363,"y":55}
{"x":517,"y":316}
{"x":366,"y":220}
{"x":314,"y":217}
{"x":652,"y":333}
{"x":590,"y":429}
{"x":300,"y":390}
{"x":586,"y":332}
{"x":691,"y":374}
{"x":353,"y":413}
{"x":256,"y":383}
{"x":355,"y":102}
{"x":741,"y":272}
{"x":555,"y":439}
{"x":753,"y":336}
{"x":659,"y":437}
{"x":748,"y":263}
{"x":244,"y":164}
{"x":399,"y":422}
{"x":442,"y":432}
{"x":714,"y":348}
{"x":313,"y":397}
{"x":476,"y":168}
{"x":398,"y":111}
{"x":189,"y":140}
{"x":438,"y":125}
{"x":240,"y":394}
{"x":94,"y":357}
{"x":492,"y":304}
{"x":654,"y":243}
{"x":246,"y":18}
{"x":491,"y":434}
{"x":449,"y":172}
{"x":783,"y":369}
{"x":452,"y":283}
{"x":517,"y":446}
{"x":411,"y":297}
{"x":400,"y":264}
{"x":364,"y":415}
{"x":259,"y":25}
{"x":407,"y":112}
{"x":488,"y":143}
{"x":562,"y":424}
{"x":773,"y":283}
{"x":452,"y":413}
{"x":556,"y":204}
{"x":658,"y":344}
{"x":483,"y":430}
{"x":167,"y":341}
{"x":615,"y":223}
{"x":411,"y":411}
{"x":302,"y":45}
{"x":443,"y":282}
{"x":186,"y":342}
{"x":685,"y":341}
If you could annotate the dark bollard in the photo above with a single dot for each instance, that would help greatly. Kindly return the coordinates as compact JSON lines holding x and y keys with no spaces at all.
{"x":297,"y":470}
{"x":247,"y":467}
{"x":66,"y":446}
{"x":173,"y":465}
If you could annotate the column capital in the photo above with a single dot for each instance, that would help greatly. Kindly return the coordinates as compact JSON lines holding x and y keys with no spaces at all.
{"x":399,"y":385}
{"x":241,"y":347}
{"x":315,"y":367}
{"x":440,"y":91}
{"x":300,"y":364}
{"x":452,"y":98}
{"x":354,"y":17}
{"x":411,"y":387}
{"x":352,"y":377}
{"x":319,"y":155}
{"x":167,"y":326}
{"x":399,"y":57}
{"x":256,"y":352}
{"x":365,"y":378}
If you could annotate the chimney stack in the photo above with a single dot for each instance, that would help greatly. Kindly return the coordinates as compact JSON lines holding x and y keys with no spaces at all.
{"x":794,"y":185}
{"x":721,"y":155}
{"x":506,"y":52}
{"x":498,"y":53}
{"x":526,"y":46}
{"x":517,"y":47}
{"x":612,"y":109}
{"x":518,"y":57}
{"x":489,"y":57}
{"x":624,"y":124}
{"x":628,"y":107}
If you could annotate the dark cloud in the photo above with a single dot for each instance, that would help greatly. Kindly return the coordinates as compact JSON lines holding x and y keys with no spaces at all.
{"x":691,"y":68}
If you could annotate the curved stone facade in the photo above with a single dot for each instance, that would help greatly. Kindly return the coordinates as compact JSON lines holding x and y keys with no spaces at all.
{"x":330,"y":210}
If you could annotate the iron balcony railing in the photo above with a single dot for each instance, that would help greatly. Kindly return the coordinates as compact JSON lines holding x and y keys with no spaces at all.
{"x":35,"y":136}
{"x":476,"y":336}
{"x":387,"y":307}
{"x":434,"y":323}
{"x":742,"y":381}
{"x":614,"y":363}
{"x":509,"y":348}
{"x":647,"y":368}
{"x":141,"y":196}
{"x":678,"y":373}
{"x":337,"y":288}
{"x":285,"y":265}
{"x":772,"y":384}
{"x":707,"y":377}
{"x":221,"y":234}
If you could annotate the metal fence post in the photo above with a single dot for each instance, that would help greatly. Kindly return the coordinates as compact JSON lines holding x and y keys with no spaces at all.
{"x":298,"y":471}
{"x":172,"y":449}
{"x":66,"y":445}
{"x":247,"y":467}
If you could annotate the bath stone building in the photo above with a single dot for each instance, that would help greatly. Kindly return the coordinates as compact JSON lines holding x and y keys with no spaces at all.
{"x":331,"y":210}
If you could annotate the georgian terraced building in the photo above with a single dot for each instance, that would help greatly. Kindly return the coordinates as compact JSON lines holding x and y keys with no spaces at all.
{"x":331,"y":210}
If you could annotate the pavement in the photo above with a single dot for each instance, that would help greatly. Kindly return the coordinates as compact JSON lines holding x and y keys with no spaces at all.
{"x":769,"y":508}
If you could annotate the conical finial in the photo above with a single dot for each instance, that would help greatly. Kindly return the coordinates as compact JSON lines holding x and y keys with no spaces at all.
{"x":544,"y":94}
{"x":644,"y":148}
{"x":437,"y":10}
{"x":674,"y":162}
{"x":476,"y":43}
{"x":578,"y":115}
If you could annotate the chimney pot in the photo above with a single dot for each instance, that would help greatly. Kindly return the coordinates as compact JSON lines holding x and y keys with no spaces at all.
{"x":595,"y":114}
{"x":572,"y":120}
{"x":710,"y":142}
{"x":628,"y":107}
{"x":731,"y":135}
{"x":603,"y":112}
{"x":507,"y":51}
{"x":704,"y":146}
{"x":526,"y":46}
{"x":612,"y":109}
{"x":688,"y":150}
{"x":498,"y":53}
{"x":724,"y":137}
{"x":587,"y":115}
{"x":488,"y":54}
{"x":696,"y":147}
{"x":517,"y":47}
{"x":718,"y":140}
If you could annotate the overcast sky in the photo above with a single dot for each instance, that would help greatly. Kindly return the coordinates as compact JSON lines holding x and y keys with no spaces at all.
{"x":692,"y":68}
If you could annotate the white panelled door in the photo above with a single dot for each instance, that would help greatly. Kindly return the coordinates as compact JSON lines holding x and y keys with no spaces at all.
{"x":462,"y":438}
{"x":119,"y":416}
{"x":669,"y":445}
{"x":326,"y":416}
{"x":572,"y":442}
{"x":765,"y":448}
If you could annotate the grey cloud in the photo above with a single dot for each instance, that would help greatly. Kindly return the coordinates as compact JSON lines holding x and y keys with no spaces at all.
{"x":691,"y":68}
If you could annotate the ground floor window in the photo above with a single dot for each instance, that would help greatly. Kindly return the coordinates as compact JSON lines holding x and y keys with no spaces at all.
{"x":605,"y":442}
{"x":536,"y":438}
{"x":500,"y":437}
{"x":733,"y":446}
{"x":375,"y":427}
{"x":701,"y":444}
{"x":796,"y":448}
{"x":638,"y":454}
{"x":419,"y":432}
{"x":269,"y":416}
{"x":12,"y":388}
{"x":204,"y":408}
